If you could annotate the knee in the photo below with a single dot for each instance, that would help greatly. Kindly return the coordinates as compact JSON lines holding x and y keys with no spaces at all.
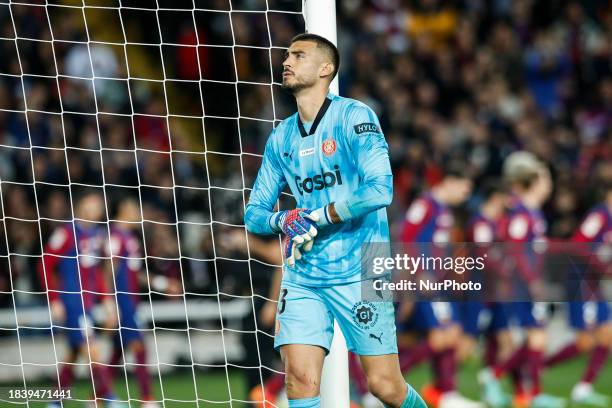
{"x":136,"y":346}
{"x":437,"y":340}
{"x":604,"y":335}
{"x":506,"y":344}
{"x":536,"y":339}
{"x":301,"y":382}
{"x":584,"y":342}
{"x":386,"y":389}
{"x":442,"y":338}
{"x":452,"y":334}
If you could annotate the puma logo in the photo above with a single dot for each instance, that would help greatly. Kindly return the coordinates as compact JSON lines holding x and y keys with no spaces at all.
{"x":372,"y":336}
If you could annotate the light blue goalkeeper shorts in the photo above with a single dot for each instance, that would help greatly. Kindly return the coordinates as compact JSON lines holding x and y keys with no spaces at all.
{"x":306,"y":314}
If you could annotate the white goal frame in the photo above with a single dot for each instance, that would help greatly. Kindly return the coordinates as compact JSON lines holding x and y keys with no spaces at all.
{"x":320,"y":18}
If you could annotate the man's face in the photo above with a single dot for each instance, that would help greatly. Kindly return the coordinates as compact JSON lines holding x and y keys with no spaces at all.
{"x":499,"y":202}
{"x":130,"y":212}
{"x":302,"y":65}
{"x":91,"y":208}
{"x":543,"y":185}
{"x":460,"y":190}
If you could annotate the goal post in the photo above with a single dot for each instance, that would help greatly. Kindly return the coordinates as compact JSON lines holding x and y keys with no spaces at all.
{"x":320,"y":18}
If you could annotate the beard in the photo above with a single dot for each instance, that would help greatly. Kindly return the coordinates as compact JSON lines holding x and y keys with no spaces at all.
{"x":296,"y":86}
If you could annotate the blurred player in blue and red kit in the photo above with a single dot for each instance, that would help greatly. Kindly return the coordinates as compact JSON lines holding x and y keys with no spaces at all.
{"x":427,"y":229}
{"x":524,"y":229}
{"x":72,"y":272}
{"x":590,"y":314}
{"x":483,"y":228}
{"x":127,"y":258}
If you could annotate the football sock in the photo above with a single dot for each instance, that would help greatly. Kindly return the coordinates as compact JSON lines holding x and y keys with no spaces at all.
{"x":514,"y":361}
{"x":413,"y":356}
{"x":413,"y":399}
{"x":305,"y":402}
{"x":596,"y":362}
{"x":142,"y":374}
{"x":445,"y":364}
{"x":566,"y":353}
{"x":534,"y":369}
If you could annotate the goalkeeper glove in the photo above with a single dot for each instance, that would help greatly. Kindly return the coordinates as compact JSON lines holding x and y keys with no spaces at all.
{"x":321,"y":216}
{"x":298,"y":229}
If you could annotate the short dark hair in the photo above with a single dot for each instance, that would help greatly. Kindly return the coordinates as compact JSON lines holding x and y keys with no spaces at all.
{"x":322,"y":42}
{"x":456,"y":168}
{"x":606,"y":187}
{"x":492,"y":186}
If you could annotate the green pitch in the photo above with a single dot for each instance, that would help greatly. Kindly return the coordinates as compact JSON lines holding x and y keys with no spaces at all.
{"x":214,"y":392}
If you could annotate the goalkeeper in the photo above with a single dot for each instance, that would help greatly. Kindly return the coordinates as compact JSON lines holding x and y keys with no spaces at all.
{"x":334,"y":158}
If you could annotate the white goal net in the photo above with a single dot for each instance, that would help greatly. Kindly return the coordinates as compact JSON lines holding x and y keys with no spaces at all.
{"x":159,"y":110}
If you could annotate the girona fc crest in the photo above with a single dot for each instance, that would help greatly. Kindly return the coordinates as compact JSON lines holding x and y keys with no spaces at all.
{"x":329,"y":147}
{"x":365,"y":315}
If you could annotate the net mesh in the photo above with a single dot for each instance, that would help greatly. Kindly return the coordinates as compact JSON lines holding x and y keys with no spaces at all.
{"x":168,"y":103}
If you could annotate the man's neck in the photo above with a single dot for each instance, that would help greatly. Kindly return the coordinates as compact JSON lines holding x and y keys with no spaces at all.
{"x":489,"y":211}
{"x":309,"y":101}
{"x":84,"y":225}
{"x":531,"y":201}
{"x":438,"y":194}
{"x":122,"y":225}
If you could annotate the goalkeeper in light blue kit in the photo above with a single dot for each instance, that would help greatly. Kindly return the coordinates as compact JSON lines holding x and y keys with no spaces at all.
{"x":334,"y":158}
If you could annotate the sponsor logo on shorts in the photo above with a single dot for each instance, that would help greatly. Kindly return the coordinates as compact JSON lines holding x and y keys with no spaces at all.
{"x":379,"y":337}
{"x":365,"y":314}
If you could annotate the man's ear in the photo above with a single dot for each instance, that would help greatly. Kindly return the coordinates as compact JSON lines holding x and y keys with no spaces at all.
{"x":327,"y":69}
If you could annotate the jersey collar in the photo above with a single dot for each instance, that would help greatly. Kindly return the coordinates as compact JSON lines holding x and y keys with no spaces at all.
{"x":318,"y":118}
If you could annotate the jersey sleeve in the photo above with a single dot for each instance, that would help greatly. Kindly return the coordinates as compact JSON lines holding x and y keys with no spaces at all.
{"x":417,"y":215}
{"x":518,"y":236}
{"x":591,"y":226}
{"x":268,"y":186}
{"x":371,"y":155}
{"x":58,"y":245}
{"x":586,"y":239}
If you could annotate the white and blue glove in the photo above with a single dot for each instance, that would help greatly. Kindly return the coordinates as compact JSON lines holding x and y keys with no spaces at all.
{"x":299,"y":229}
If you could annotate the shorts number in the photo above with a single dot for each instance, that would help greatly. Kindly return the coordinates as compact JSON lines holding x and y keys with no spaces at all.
{"x":282,"y":301}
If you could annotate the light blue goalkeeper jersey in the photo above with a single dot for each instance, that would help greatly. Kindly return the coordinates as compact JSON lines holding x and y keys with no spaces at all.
{"x":343,"y":159}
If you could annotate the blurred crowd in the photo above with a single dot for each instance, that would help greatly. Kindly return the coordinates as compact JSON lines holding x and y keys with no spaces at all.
{"x":477,"y":80}
{"x":468,"y":80}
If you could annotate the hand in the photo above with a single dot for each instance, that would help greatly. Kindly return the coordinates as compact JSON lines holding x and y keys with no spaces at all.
{"x":267,"y":314}
{"x":175,"y":287}
{"x":296,"y":224}
{"x":299,"y":230}
{"x":233,"y":240}
{"x":110,"y":310}
{"x":170,"y":286}
{"x":58,"y":312}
